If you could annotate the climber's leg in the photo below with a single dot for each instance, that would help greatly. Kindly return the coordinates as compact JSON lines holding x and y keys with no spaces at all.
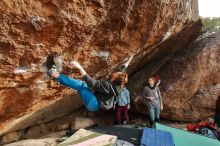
{"x":88,"y":98}
{"x":54,"y":67}
{"x":70,"y":82}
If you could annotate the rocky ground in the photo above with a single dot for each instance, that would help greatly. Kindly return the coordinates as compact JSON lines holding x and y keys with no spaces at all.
{"x":101,"y":34}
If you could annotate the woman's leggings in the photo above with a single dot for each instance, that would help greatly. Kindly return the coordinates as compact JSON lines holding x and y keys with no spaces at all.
{"x":154,"y":114}
{"x":87,"y":96}
{"x":122,"y":110}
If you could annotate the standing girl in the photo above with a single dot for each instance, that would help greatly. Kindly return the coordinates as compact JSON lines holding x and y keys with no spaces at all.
{"x":123,"y":102}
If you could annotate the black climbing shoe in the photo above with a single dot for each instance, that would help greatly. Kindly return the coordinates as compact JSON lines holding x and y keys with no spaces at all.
{"x":53,"y":64}
{"x":49,"y":62}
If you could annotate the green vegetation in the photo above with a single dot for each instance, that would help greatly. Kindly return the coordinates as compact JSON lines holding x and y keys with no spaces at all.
{"x":211,"y":24}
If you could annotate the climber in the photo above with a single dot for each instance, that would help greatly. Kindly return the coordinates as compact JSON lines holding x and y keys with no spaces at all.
{"x":95,"y":94}
{"x":152,"y":96}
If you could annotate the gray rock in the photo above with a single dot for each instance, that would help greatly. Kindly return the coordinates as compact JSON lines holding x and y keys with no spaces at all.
{"x":37,"y":22}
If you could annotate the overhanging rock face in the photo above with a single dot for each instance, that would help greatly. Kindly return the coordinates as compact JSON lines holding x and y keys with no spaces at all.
{"x":99,"y":34}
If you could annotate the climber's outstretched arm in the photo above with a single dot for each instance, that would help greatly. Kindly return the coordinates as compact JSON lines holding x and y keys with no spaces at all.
{"x":129,"y":60}
{"x":97,"y":85}
{"x":124,"y":66}
{"x":92,"y":83}
{"x":79,"y":67}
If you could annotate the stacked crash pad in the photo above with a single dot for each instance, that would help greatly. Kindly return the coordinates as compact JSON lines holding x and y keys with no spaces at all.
{"x":88,"y":138}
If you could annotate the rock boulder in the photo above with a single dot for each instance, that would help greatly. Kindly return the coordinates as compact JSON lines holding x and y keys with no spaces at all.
{"x":100,"y":34}
{"x":190,"y":81}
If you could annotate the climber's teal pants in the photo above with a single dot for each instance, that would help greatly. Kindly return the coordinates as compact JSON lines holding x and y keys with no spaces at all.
{"x":87,"y":96}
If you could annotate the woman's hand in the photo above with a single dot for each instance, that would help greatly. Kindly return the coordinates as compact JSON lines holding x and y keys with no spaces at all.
{"x":150,"y":98}
{"x":161,"y":107}
{"x":114,"y":107}
{"x":128,"y":106}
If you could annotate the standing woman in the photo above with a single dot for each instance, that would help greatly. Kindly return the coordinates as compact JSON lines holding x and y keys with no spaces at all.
{"x":152,"y":96}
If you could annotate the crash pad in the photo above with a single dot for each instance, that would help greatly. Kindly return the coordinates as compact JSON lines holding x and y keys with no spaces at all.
{"x":154,"y":137}
{"x":185,"y":138}
{"x":88,"y":138}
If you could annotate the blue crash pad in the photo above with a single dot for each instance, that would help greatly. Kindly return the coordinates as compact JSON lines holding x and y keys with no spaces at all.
{"x":154,"y":137}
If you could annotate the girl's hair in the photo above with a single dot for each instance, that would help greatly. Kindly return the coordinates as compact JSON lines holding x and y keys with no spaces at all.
{"x":152,"y":78}
{"x":121,"y":79}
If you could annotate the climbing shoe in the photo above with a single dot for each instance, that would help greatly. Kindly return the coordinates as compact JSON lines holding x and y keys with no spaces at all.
{"x":53,"y":64}
{"x":54,"y":59}
{"x":51,"y":71}
{"x":58,"y":62}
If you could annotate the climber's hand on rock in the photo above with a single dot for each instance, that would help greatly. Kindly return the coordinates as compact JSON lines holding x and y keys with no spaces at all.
{"x":78,"y":66}
{"x":75,"y":64}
